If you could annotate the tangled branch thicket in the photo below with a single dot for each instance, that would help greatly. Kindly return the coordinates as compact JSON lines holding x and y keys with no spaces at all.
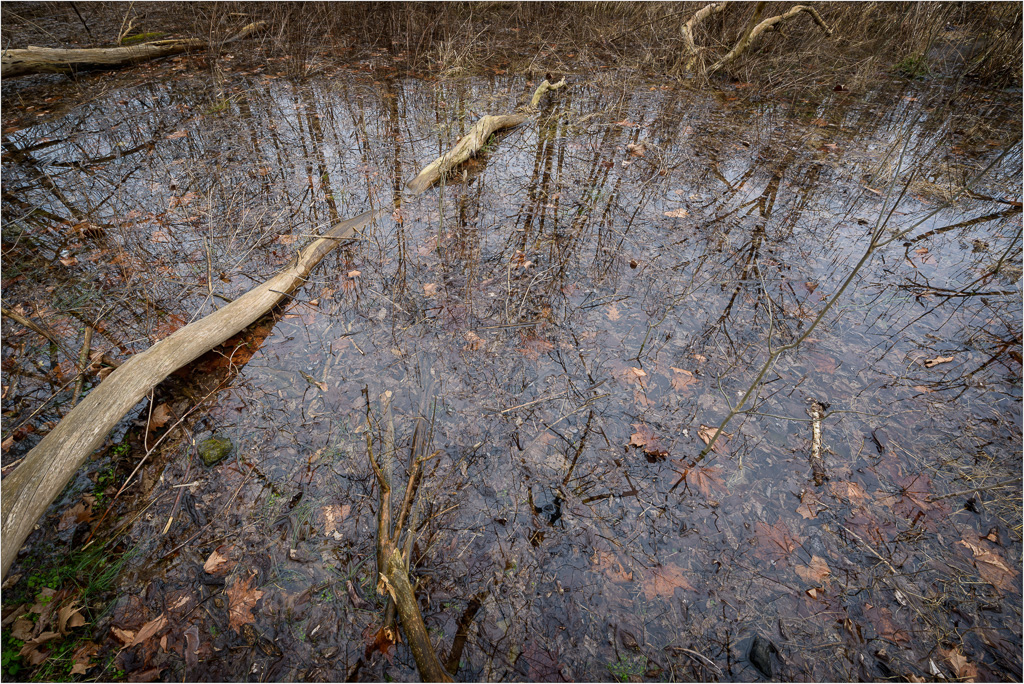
{"x":977,"y":40}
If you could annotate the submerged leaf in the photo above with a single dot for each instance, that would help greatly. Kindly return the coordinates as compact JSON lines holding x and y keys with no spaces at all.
{"x":242,"y":598}
{"x":664,"y":581}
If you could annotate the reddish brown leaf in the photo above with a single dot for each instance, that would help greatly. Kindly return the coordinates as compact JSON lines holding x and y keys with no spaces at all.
{"x":607,"y":564}
{"x":681,"y":379}
{"x":664,"y":581}
{"x":68,"y":618}
{"x":814,"y":572}
{"x":242,"y":598}
{"x":962,"y":668}
{"x":644,"y":437}
{"x":473,"y":341}
{"x":533,"y":347}
{"x":161,"y":415}
{"x":775,"y":540}
{"x":810,"y":505}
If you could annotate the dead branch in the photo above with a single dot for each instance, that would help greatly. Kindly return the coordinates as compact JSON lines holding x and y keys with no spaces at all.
{"x":35,"y":60}
{"x":751,"y":34}
{"x":475,"y":139}
{"x":28,"y":491}
{"x":393,"y":564}
{"x":690,"y":52}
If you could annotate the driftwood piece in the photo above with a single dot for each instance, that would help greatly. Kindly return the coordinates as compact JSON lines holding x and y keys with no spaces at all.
{"x":475,"y":139}
{"x":35,"y":60}
{"x":817,"y":414}
{"x":30,"y":489}
{"x":689,"y":46}
{"x":751,"y":34}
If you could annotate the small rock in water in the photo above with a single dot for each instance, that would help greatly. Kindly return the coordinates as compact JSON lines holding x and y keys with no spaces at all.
{"x":761,"y":655}
{"x":214,"y":450}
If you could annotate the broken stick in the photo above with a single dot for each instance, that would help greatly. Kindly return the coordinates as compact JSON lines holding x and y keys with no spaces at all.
{"x":817,"y":413}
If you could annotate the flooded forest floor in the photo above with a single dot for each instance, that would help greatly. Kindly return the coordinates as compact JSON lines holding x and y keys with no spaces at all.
{"x":567,"y":319}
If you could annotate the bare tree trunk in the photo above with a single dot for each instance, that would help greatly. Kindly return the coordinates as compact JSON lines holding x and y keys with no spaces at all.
{"x":35,"y":60}
{"x":29,"y":490}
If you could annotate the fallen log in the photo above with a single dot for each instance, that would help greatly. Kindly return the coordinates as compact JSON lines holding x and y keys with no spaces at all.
{"x":752,"y":32}
{"x":29,"y":490}
{"x":475,"y":139}
{"x":36,"y":60}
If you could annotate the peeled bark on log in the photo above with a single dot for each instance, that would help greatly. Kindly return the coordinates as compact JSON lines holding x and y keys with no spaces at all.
{"x":29,"y":490}
{"x":35,"y":60}
{"x":752,"y":34}
{"x":474,"y":140}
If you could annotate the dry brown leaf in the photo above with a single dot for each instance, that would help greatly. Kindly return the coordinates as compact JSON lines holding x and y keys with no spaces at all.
{"x":22,"y":629}
{"x":354,"y":274}
{"x":68,"y":618}
{"x":125,"y":636}
{"x":176,"y":135}
{"x":149,"y":629}
{"x":664,"y":581}
{"x":473,"y":341}
{"x":814,"y":572}
{"x":930,"y":363}
{"x":219,"y":561}
{"x":430,"y":289}
{"x":83,"y":656}
{"x":161,"y":415}
{"x":287,"y":239}
{"x":636,"y":150}
{"x":79,"y":513}
{"x":242,"y":598}
{"x":706,"y":433}
{"x":677,"y":213}
{"x":334,"y":514}
{"x":681,"y":379}
{"x":962,"y":668}
{"x":613,"y":312}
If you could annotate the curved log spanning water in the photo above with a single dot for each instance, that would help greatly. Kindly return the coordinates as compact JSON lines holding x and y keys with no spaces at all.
{"x":29,"y":490}
{"x":475,"y":139}
{"x":38,"y":60}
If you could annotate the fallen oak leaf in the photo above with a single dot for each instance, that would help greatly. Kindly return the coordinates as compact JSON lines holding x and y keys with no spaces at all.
{"x":931,"y":363}
{"x":963,"y":668}
{"x":991,"y":566}
{"x":645,"y":438}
